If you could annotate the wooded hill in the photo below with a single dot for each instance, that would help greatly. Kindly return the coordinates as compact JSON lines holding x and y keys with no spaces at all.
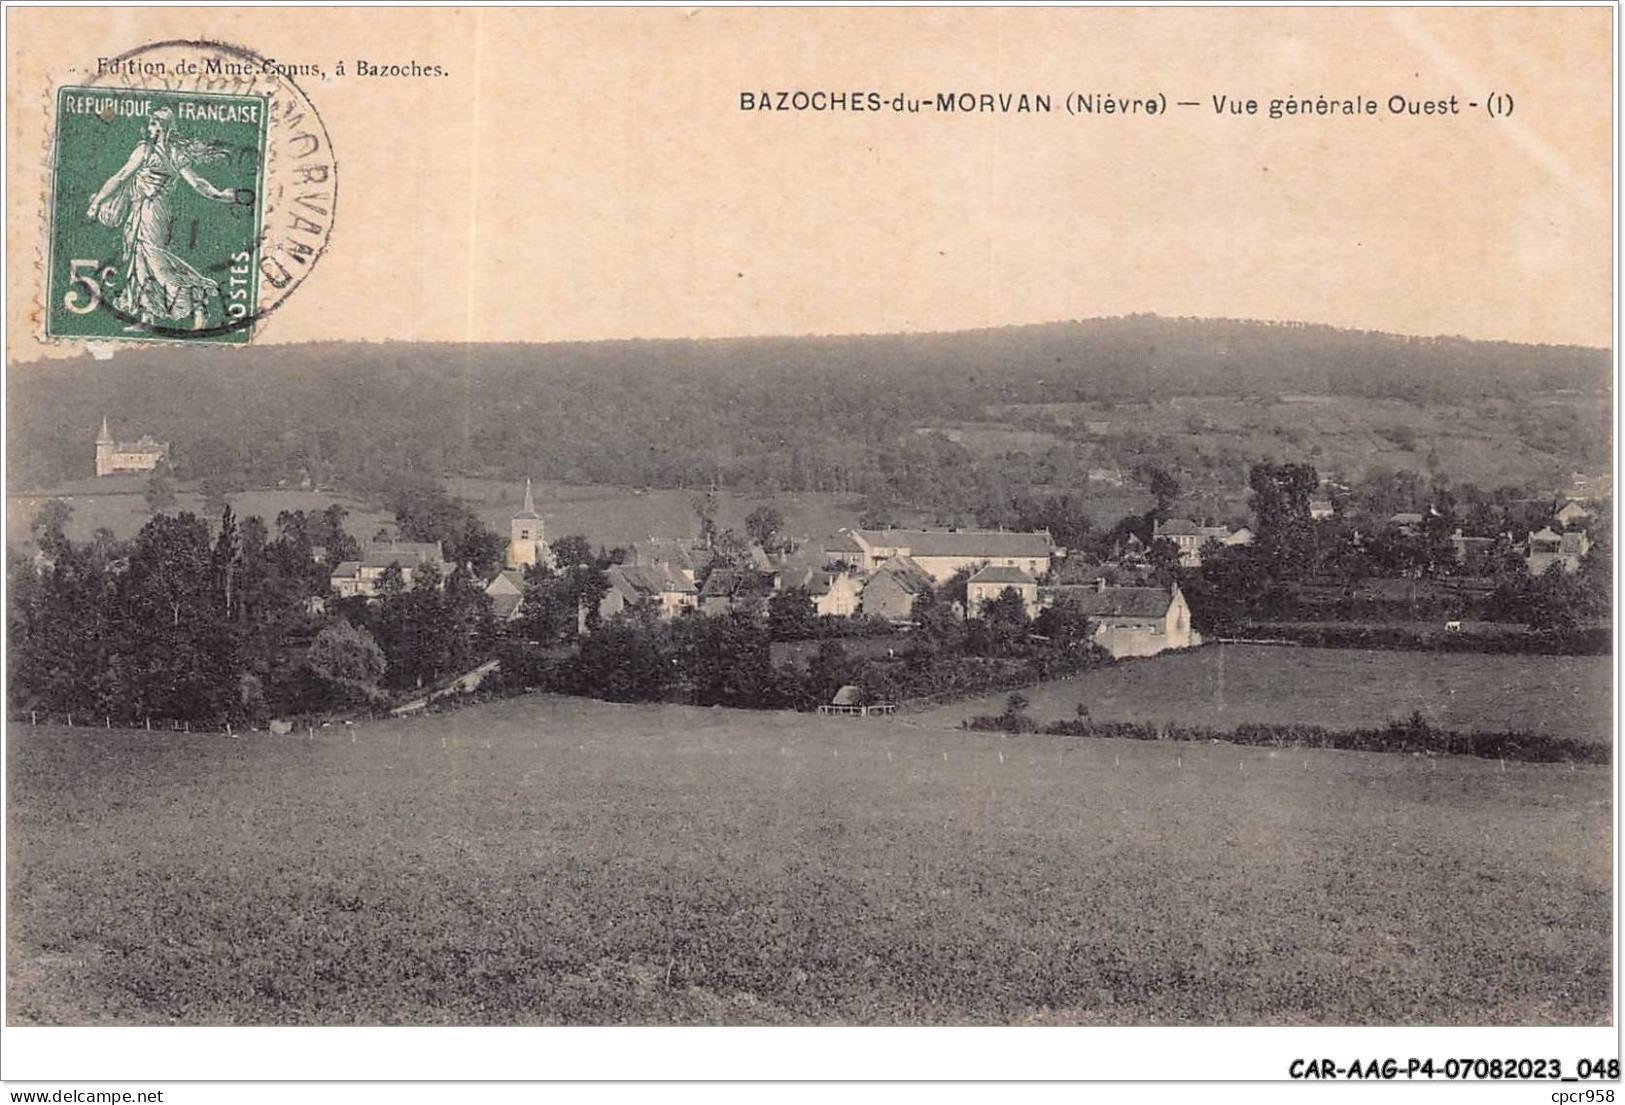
{"x":761,"y":414}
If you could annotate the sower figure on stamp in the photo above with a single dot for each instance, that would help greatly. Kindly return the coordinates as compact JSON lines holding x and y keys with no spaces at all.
{"x":158,"y":285}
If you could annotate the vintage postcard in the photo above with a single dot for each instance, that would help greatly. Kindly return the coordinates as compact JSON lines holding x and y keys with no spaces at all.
{"x":1075,"y":518}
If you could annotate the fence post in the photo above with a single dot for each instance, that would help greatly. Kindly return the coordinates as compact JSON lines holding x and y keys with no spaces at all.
{"x":149,"y":725}
{"x":33,"y":718}
{"x":70,"y":721}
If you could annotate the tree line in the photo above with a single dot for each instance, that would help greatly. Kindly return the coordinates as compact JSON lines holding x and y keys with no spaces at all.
{"x":188,"y":621}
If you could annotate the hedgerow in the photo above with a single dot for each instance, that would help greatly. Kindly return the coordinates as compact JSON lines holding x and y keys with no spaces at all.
{"x":1415,"y":735}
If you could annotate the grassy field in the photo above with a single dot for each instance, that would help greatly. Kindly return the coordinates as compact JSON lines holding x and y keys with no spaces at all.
{"x":549,"y":860}
{"x":1225,"y":686}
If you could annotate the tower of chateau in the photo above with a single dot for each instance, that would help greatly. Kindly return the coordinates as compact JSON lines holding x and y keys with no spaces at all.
{"x":525,"y":542}
{"x":104,"y":450}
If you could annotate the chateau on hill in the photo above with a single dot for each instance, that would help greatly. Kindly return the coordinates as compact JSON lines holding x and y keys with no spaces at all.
{"x":113,"y":457}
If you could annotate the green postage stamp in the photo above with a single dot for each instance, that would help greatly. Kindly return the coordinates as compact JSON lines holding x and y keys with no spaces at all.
{"x":155,"y":215}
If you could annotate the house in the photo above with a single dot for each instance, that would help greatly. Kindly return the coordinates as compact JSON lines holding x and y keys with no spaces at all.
{"x":1190,"y":538}
{"x":526,"y":546}
{"x":993,"y":581}
{"x":1571,"y":513}
{"x":1242,"y":536}
{"x":1131,"y":621}
{"x":941,"y":553}
{"x":1548,"y":547}
{"x":113,"y":457}
{"x":1321,"y":509}
{"x":661,"y":589}
{"x":362,"y":577}
{"x":730,"y":589}
{"x":890,"y":592}
{"x":688,"y":558}
{"x":841,"y":550}
{"x":507,"y":592}
{"x":837,"y":594}
{"x":1407,"y":522}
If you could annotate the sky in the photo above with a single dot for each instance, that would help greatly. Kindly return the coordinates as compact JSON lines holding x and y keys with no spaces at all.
{"x":589,"y":174}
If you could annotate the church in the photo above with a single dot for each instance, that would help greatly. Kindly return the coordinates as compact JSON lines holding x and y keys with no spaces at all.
{"x":526,"y":545}
{"x":113,"y":457}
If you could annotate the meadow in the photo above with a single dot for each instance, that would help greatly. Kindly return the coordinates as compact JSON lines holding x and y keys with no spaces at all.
{"x":1228,"y":685}
{"x":544,"y":861}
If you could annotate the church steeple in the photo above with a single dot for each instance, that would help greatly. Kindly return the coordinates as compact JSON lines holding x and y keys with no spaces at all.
{"x":526,"y":544}
{"x":106,"y":436}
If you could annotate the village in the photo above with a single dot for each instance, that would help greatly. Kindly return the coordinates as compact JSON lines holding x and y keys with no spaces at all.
{"x":987,"y":605}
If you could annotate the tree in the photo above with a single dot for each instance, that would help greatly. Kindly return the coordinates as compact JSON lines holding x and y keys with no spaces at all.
{"x":1164,"y":558}
{"x":328,"y":531}
{"x":225,"y":559}
{"x":1556,"y":600}
{"x":764,"y":525}
{"x":829,"y":670}
{"x":956,"y":588}
{"x":1003,"y":627}
{"x":175,"y":653}
{"x":50,"y":526}
{"x":426,"y":513}
{"x":347,"y":662}
{"x":585,"y":587}
{"x":1286,"y":536}
{"x":572,"y":551}
{"x":729,"y":550}
{"x":1065,"y":624}
{"x":792,"y":615}
{"x":727,"y":661}
{"x":1228,"y":587}
{"x":623,"y":662}
{"x":1165,"y":489}
{"x":1596,"y":574}
{"x":479,"y":548}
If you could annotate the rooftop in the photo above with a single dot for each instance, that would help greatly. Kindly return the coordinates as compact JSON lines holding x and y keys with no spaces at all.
{"x":408,"y":554}
{"x":908,"y":574}
{"x":965,"y":543}
{"x":1118,"y":602}
{"x":814,"y":581}
{"x":997,"y":574}
{"x":647,"y":580}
